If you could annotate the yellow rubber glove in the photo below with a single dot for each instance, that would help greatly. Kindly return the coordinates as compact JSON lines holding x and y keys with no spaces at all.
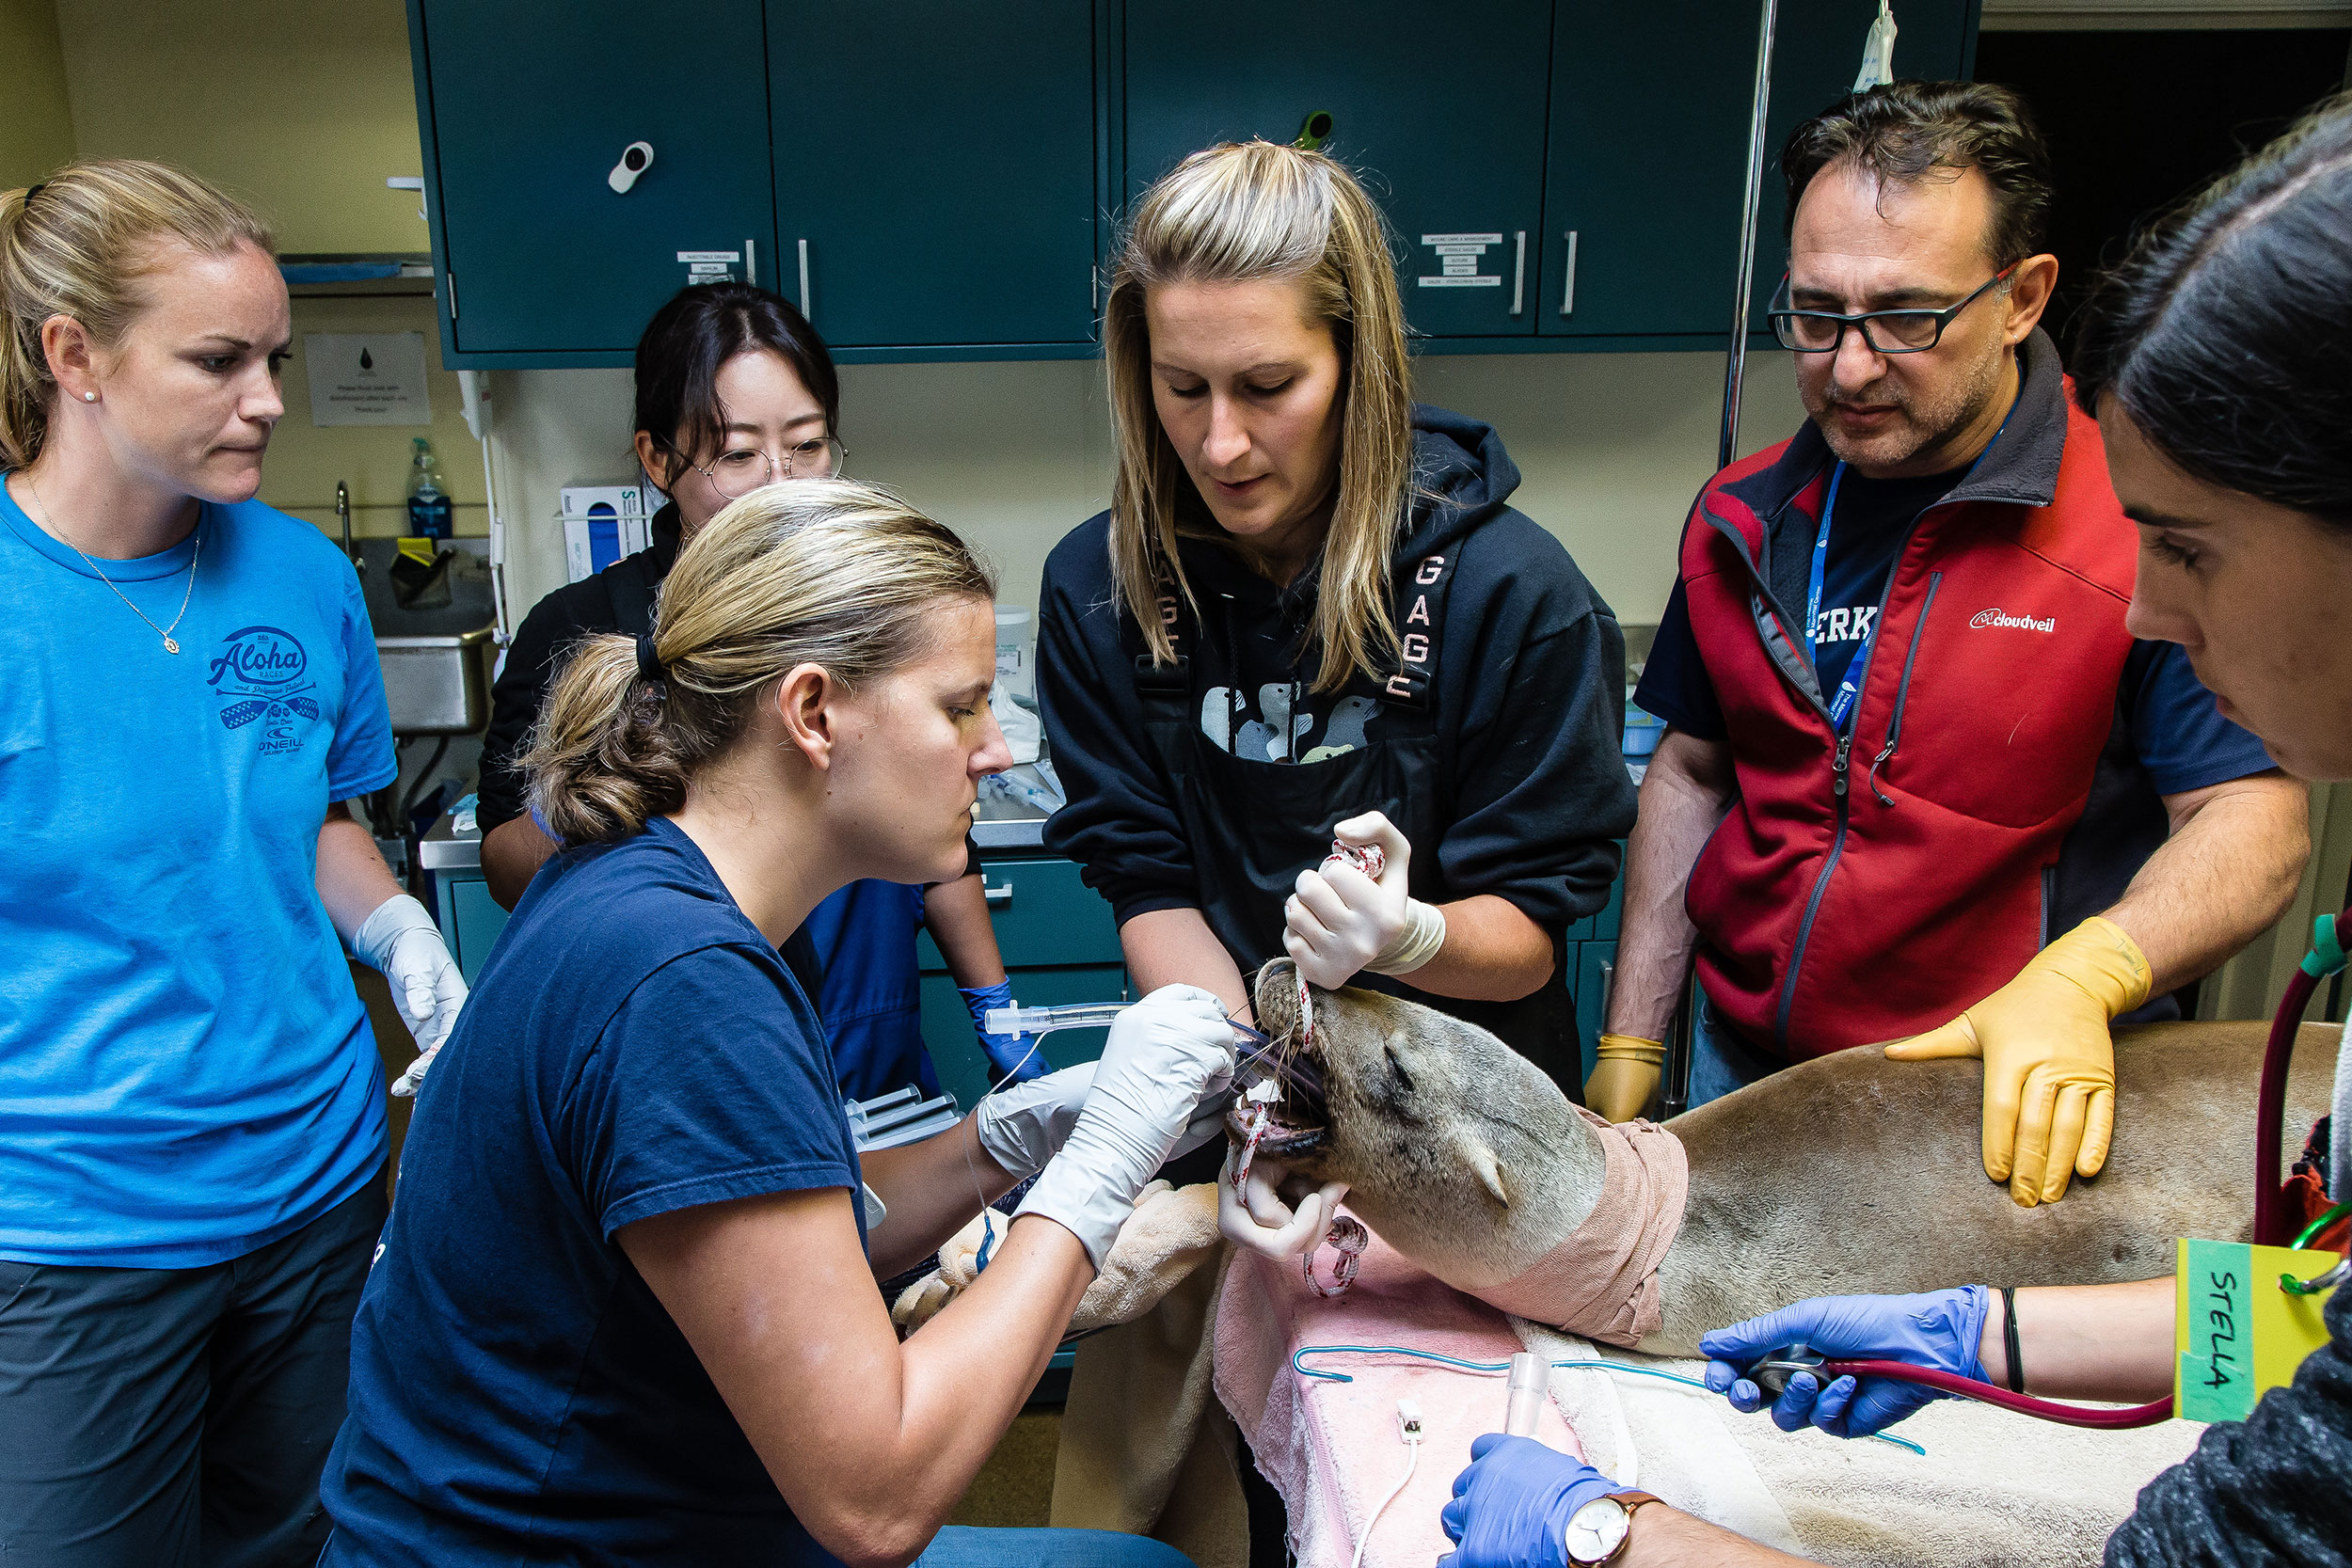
{"x":2049,"y":1065}
{"x":1625,"y":1075}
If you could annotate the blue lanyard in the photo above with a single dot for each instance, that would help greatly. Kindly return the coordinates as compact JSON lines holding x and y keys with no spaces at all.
{"x":1849,"y":689}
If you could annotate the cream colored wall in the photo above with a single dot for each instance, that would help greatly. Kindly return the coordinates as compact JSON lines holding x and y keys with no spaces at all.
{"x":1612,"y":448}
{"x":36,"y":132}
{"x":301,"y":106}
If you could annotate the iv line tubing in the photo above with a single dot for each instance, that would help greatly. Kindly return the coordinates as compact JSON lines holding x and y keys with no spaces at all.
{"x":1298,"y":1365}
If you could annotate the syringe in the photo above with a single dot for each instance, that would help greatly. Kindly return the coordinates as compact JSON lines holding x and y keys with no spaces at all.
{"x":1073,"y":1015}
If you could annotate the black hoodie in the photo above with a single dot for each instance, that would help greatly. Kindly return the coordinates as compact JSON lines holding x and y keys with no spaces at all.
{"x":1530,"y":701}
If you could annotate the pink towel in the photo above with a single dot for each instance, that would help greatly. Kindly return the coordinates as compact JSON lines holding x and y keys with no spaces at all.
{"x":1332,"y":1449}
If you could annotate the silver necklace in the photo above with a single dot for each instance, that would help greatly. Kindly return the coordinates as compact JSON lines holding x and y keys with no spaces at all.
{"x":171,"y":645}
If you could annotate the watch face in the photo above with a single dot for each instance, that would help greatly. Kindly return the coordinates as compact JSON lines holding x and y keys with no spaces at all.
{"x":1597,"y":1530}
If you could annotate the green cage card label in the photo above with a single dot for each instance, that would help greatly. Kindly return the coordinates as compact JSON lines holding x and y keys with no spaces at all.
{"x":2236,"y":1329}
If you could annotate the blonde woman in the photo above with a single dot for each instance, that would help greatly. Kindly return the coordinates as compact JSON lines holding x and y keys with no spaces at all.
{"x":626,"y":1309}
{"x":1311,"y":601}
{"x":191,"y":1103}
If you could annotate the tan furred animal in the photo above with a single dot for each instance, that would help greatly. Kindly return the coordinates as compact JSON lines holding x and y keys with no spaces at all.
{"x":1846,"y":1174}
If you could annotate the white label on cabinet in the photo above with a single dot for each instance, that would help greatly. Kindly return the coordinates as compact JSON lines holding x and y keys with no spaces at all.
{"x":737,"y":255}
{"x":1458,"y":257}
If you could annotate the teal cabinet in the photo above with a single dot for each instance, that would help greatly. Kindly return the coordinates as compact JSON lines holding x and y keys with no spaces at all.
{"x":470,"y":920}
{"x":1556,"y":174}
{"x":935,"y":170}
{"x":1642,"y":188}
{"x":526,"y":108}
{"x":1443,"y":114}
{"x":1595,"y":964}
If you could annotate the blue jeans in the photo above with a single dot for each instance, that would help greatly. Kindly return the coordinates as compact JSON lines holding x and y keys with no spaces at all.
{"x":1721,"y":1061}
{"x":964,"y":1546}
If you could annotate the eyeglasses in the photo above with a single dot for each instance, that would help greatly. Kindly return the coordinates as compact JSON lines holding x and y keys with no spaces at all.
{"x":1884,"y":331}
{"x":740,"y":471}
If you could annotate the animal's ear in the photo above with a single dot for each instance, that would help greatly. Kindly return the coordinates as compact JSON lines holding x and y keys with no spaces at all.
{"x":1482,"y":1160}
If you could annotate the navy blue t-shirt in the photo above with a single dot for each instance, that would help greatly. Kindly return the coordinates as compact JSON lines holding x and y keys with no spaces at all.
{"x":634,"y":1046}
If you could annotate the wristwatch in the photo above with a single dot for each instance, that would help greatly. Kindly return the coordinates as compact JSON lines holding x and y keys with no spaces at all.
{"x":1597,"y":1533}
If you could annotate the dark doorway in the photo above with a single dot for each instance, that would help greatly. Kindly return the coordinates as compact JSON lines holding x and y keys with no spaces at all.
{"x":2137,"y":121}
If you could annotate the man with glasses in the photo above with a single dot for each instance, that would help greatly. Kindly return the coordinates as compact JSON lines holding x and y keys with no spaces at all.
{"x":1920,"y":779}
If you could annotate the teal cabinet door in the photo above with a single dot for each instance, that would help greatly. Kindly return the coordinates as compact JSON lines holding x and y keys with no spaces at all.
{"x":1044,"y":915}
{"x":1595,"y":962}
{"x":529,"y":106}
{"x":1642,"y":190}
{"x":474,"y":920}
{"x":1442,"y":115}
{"x":934,"y":167}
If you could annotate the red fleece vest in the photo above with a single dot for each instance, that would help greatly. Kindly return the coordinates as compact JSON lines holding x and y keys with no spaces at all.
{"x":1859,"y":893}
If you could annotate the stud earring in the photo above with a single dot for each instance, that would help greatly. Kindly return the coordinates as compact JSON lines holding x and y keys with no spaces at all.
{"x":89,"y":397}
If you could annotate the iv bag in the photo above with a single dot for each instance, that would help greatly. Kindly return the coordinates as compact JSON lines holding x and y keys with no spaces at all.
{"x":1878,"y":52}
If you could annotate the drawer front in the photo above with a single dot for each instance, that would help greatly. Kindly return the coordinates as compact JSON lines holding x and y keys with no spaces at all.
{"x":1043,"y":914}
{"x":956,"y":1054}
{"x":472,"y":919}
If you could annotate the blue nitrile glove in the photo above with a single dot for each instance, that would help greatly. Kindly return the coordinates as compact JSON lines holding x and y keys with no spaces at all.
{"x":1013,"y":1056}
{"x":1938,"y":1328}
{"x":1511,"y":1507}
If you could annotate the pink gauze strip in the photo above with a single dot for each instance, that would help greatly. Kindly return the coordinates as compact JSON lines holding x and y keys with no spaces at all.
{"x":1602,"y":1281}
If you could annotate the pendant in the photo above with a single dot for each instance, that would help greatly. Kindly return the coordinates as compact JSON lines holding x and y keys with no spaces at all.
{"x":170,"y":645}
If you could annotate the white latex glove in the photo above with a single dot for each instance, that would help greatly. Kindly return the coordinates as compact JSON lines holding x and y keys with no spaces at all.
{"x":400,"y":940}
{"x":1167,"y":1054}
{"x":1257,"y":1218}
{"x":1338,"y":921}
{"x":1021,"y":1125}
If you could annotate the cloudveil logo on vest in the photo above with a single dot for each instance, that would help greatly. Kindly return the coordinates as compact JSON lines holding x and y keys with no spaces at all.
{"x":2021,"y":623}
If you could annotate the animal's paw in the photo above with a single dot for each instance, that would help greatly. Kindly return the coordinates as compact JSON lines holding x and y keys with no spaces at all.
{"x":1171,"y":1233}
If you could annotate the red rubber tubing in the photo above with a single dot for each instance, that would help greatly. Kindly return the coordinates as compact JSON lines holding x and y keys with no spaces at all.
{"x":2272,"y":1227}
{"x":2025,"y":1404}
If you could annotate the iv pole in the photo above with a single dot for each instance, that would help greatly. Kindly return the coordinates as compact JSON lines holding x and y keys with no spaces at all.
{"x":1674,"y":1081}
{"x":1736,"y":363}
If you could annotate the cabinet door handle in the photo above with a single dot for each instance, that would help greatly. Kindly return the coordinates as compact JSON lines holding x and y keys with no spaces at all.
{"x":1567,"y":300}
{"x":751,"y":263}
{"x":806,"y":314}
{"x":996,"y":894}
{"x":1519,"y":276}
{"x":1608,"y":984}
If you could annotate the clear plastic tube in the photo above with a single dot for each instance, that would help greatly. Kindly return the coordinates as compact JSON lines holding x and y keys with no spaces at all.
{"x":1530,"y":1385}
{"x":1043,"y":1021}
{"x":1071,"y":1014}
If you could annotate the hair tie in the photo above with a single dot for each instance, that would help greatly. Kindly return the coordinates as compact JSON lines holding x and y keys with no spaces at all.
{"x":33,"y":190}
{"x":649,"y":662}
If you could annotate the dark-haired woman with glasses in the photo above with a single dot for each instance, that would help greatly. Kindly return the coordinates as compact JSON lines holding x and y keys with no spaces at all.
{"x":735,"y":391}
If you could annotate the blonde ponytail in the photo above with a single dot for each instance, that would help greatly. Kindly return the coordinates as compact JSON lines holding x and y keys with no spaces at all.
{"x":76,"y":245}
{"x":820,"y":572}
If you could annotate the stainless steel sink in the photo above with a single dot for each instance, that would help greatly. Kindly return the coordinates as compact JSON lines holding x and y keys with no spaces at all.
{"x":436,"y":658}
